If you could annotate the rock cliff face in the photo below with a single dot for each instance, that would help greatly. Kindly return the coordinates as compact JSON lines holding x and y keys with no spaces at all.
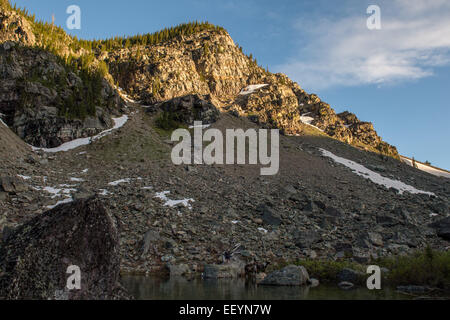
{"x":45,"y":102}
{"x":205,"y":63}
{"x":210,"y":63}
{"x":43,"y":99}
{"x":81,"y":234}
{"x":186,"y":110}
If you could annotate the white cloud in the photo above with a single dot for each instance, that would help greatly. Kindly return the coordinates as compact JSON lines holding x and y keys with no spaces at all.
{"x":414,"y":39}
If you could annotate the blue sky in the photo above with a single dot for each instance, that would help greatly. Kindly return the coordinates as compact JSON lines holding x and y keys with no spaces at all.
{"x":397,"y":77}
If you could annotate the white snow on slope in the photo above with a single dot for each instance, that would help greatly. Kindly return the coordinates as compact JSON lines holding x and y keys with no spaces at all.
{"x":308,"y":120}
{"x":203,"y":126}
{"x":118,"y":123}
{"x":373,"y":176}
{"x":173,"y":203}
{"x":1,"y":121}
{"x":252,"y":88}
{"x":24,"y":177}
{"x":55,"y":192}
{"x":426,"y":168}
{"x":103,"y":192}
{"x":67,"y":200}
{"x":116,"y":183}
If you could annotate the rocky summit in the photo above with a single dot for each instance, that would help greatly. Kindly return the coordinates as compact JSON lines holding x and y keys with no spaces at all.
{"x":86,"y":176}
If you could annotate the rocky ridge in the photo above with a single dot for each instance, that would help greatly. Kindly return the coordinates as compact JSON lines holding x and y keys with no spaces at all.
{"x":210,"y":63}
{"x":205,"y":63}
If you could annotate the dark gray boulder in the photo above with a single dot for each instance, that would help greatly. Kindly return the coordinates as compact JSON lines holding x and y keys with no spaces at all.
{"x":288,"y":276}
{"x":442,"y":228}
{"x":268,"y":216}
{"x":305,"y":239}
{"x":36,"y":256}
{"x":350,"y":276}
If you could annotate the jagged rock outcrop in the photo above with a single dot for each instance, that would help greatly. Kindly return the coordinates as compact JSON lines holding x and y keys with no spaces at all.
{"x":35,"y":257}
{"x":13,"y":27}
{"x":274,"y":105}
{"x":209,"y":63}
{"x":185,"y":110}
{"x":46,"y":103}
{"x":283,"y":104}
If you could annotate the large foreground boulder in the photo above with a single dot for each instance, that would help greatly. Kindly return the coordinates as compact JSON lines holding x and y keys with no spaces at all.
{"x":34,"y":260}
{"x":289,"y":276}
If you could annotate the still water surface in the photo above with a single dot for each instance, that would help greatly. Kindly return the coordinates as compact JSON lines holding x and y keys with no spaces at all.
{"x":156,"y":288}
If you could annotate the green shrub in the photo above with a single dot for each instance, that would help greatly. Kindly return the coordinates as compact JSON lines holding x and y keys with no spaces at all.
{"x":426,"y":267}
{"x":168,"y":121}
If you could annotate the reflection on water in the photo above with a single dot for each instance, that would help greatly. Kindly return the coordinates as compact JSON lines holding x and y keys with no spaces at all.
{"x":154,"y":288}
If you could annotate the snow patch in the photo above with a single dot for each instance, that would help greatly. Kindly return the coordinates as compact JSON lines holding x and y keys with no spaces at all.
{"x":24,"y":177}
{"x":116,"y":183}
{"x":118,"y":123}
{"x":55,"y":192}
{"x":432,"y":215}
{"x":1,"y":121}
{"x":429,"y":169}
{"x":67,"y":200}
{"x":373,"y":176}
{"x":308,"y":121}
{"x":204,"y":126}
{"x":263,"y":230}
{"x":76,"y":180}
{"x":173,"y":203}
{"x":252,"y":89}
{"x":103,"y":192}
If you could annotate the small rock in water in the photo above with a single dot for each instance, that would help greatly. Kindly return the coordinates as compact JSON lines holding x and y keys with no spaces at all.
{"x":346,"y":285}
{"x":313,"y":283}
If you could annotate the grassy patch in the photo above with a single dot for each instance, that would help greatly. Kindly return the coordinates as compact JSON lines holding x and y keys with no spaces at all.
{"x":428,"y":267}
{"x":327,"y":271}
{"x":167,"y":121}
